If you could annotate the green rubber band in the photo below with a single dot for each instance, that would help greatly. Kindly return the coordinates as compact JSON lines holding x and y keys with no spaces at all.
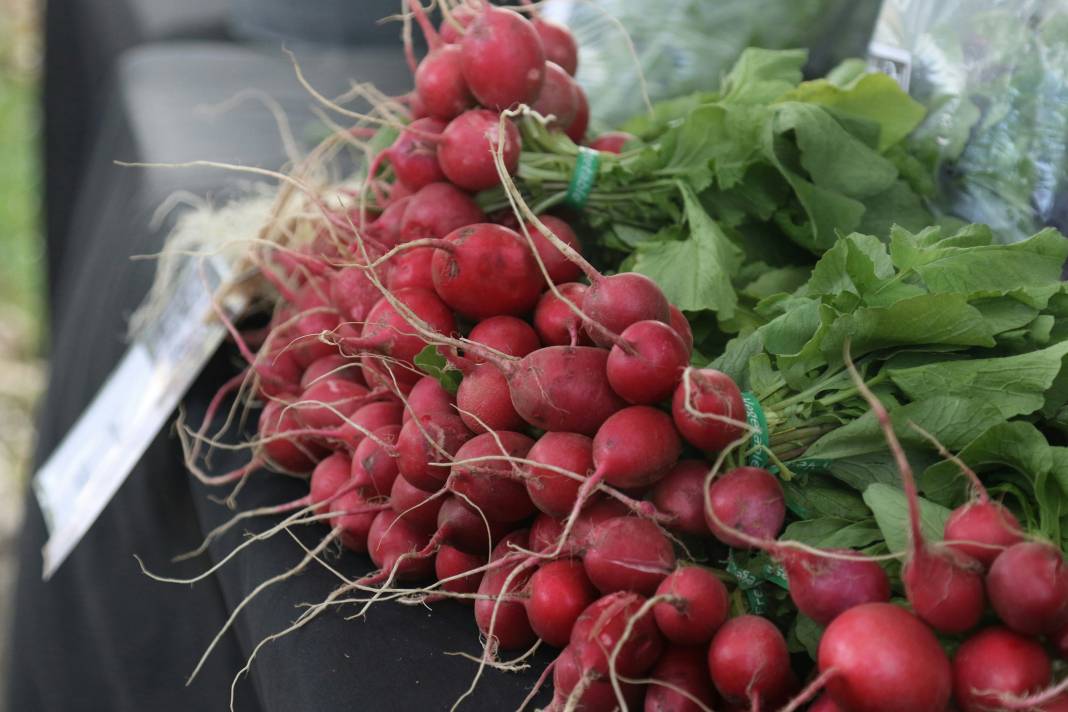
{"x":808,"y":465}
{"x":758,"y":444}
{"x":583,"y":177}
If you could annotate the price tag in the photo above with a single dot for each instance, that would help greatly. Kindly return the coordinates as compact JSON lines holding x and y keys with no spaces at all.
{"x":98,"y":453}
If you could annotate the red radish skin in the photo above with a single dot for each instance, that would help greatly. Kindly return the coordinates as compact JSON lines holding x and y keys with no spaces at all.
{"x":465,"y":529}
{"x":418,"y":508}
{"x":428,"y":397}
{"x":628,"y":554}
{"x":600,"y":628}
{"x":556,"y":323}
{"x":545,"y":531}
{"x":559,"y":593}
{"x":982,"y":530}
{"x":680,"y":494}
{"x":635,"y":447}
{"x":577,"y":130}
{"x":552,"y":492}
{"x":450,"y":562}
{"x":612,"y":141}
{"x":561,"y":270}
{"x":645,"y":366}
{"x":293,"y":453}
{"x":502,"y":59}
{"x":823,"y":587}
{"x":338,"y":397}
{"x":718,"y":400}
{"x":749,"y":499}
{"x":559,"y":44}
{"x":462,"y":16}
{"x":506,"y":334}
{"x":387,"y":227}
{"x":414,"y":156}
{"x":429,"y":439}
{"x":388,"y":331}
{"x":440,"y":83}
{"x":884,"y":660}
{"x":436,"y":210}
{"x":510,"y":625}
{"x":684,"y":668}
{"x":355,"y":517}
{"x":1028,"y":588}
{"x":597,"y":694}
{"x":749,"y":662}
{"x":469,"y":144}
{"x":558,"y":98}
{"x":490,"y":484}
{"x":332,"y":367}
{"x":485,"y":401}
{"x":996,"y":662}
{"x":353,"y":295}
{"x":824,"y":704}
{"x":681,"y":325}
{"x":279,"y":374}
{"x":391,"y":538}
{"x":618,"y":301}
{"x":368,"y":419}
{"x":374,"y":462}
{"x":329,"y":476}
{"x":411,"y":268}
{"x":699,"y":606}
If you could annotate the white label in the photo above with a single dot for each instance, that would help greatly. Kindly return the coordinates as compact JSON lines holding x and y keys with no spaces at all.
{"x":97,"y":455}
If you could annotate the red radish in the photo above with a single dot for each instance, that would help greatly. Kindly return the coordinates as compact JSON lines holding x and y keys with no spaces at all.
{"x":559,"y":593}
{"x":634,"y":447}
{"x":507,"y":618}
{"x":331,"y":367}
{"x":316,"y":315}
{"x":647,"y":362}
{"x":823,"y":587}
{"x":450,"y":562}
{"x":596,"y":693}
{"x":616,"y":302}
{"x":485,"y":270}
{"x":1028,"y":587}
{"x":427,"y":439}
{"x":982,"y":529}
{"x":681,"y":325}
{"x":414,"y":156}
{"x":577,"y":130}
{"x":411,"y":268}
{"x":329,"y":476}
{"x":683,"y":668}
{"x":824,"y":704}
{"x":465,"y":529}
{"x":386,"y":229}
{"x":391,"y":543}
{"x":485,"y":402}
{"x":490,"y":483}
{"x":506,"y":334}
{"x":416,"y":109}
{"x":279,"y":374}
{"x":374,"y":462}
{"x":558,"y":98}
{"x":680,"y":494}
{"x":749,"y":500}
{"x":440,"y":84}
{"x":996,"y":662}
{"x":353,"y":295}
{"x":881,"y":658}
{"x":718,"y":400}
{"x":355,"y":517}
{"x":503,"y":59}
{"x":468,"y":146}
{"x":552,"y":492}
{"x":436,"y":210}
{"x":418,"y":508}
{"x":399,"y":191}
{"x":628,"y":554}
{"x":749,"y":662}
{"x":699,"y":606}
{"x":612,"y":141}
{"x":290,"y":453}
{"x":462,"y":16}
{"x":368,"y":419}
{"x":546,"y":531}
{"x":559,"y":43}
{"x":556,"y":323}
{"x":560,"y":269}
{"x":428,"y":397}
{"x":326,"y":404}
{"x":599,"y":630}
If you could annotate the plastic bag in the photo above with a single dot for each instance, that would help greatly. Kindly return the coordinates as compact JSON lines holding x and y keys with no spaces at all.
{"x":993,"y":75}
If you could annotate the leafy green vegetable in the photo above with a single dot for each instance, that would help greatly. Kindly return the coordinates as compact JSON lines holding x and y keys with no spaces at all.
{"x":891,"y":512}
{"x":433,"y":364}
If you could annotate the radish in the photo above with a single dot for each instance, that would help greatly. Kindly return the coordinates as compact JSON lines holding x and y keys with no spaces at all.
{"x":878,"y":657}
{"x":417,"y":508}
{"x":326,"y":403}
{"x":451,"y":563}
{"x":484,"y":401}
{"x":557,"y":265}
{"x":355,"y":515}
{"x":552,"y":492}
{"x":352,"y":294}
{"x":462,"y":16}
{"x":559,"y":593}
{"x":467,"y":147}
{"x":545,"y":532}
{"x":685,"y":669}
{"x":559,"y":44}
{"x":331,"y":367}
{"x":612,"y":141}
{"x":708,"y":409}
{"x":749,"y":663}
{"x":616,"y":302}
{"x":680,"y":494}
{"x":386,"y":229}
{"x":647,"y":362}
{"x":440,"y":84}
{"x":698,"y":606}
{"x":502,"y":59}
{"x":628,"y":554}
{"x":681,"y":325}
{"x":436,"y":210}
{"x":600,"y":630}
{"x":327,"y":478}
{"x":428,"y":397}
{"x":374,"y":462}
{"x":426,"y":439}
{"x":503,"y":619}
{"x":414,"y":156}
{"x":996,"y":662}
{"x":484,"y":270}
{"x":824,"y":704}
{"x":556,"y":323}
{"x":465,"y":529}
{"x":558,"y":98}
{"x":592,"y":691}
{"x":506,"y":334}
{"x":391,"y":543}
{"x":577,"y":130}
{"x":1028,"y":587}
{"x":489,"y":483}
{"x":411,"y":268}
{"x":289,"y":453}
{"x":634,"y":447}
{"x":748,"y":500}
{"x":368,"y":419}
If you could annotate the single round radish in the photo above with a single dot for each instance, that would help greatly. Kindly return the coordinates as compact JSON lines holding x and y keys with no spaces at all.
{"x":1028,"y":588}
{"x":982,"y":530}
{"x":628,"y":554}
{"x":510,"y":624}
{"x":418,"y":508}
{"x":612,"y":141}
{"x":331,"y":367}
{"x":559,"y":44}
{"x":278,"y":374}
{"x":645,"y":366}
{"x":387,"y":227}
{"x":374,"y":462}
{"x":597,"y":693}
{"x":559,"y":593}
{"x":436,"y":210}
{"x":551,"y":491}
{"x":354,"y":518}
{"x":600,"y":629}
{"x":749,"y":663}
{"x":414,"y":157}
{"x":824,"y":703}
{"x":450,"y":562}
{"x":353,"y":295}
{"x":545,"y":531}
{"x":884,"y":660}
{"x":577,"y":130}
{"x":944,"y":587}
{"x":329,"y":476}
{"x":683,"y":668}
{"x":469,"y":144}
{"x":558,"y":98}
{"x":416,"y":108}
{"x":749,"y":499}
{"x":823,"y":587}
{"x":556,"y":323}
{"x":390,"y":539}
{"x":506,"y":334}
{"x":389,"y":332}
{"x":561,"y":270}
{"x":502,"y":59}
{"x":635,"y":447}
{"x":368,"y":419}
{"x":462,"y":16}
{"x":618,"y":301}
{"x":440,"y":83}
{"x":681,"y":325}
{"x":428,"y":397}
{"x":411,"y":268}
{"x":293,"y":454}
{"x":717,"y":400}
{"x":485,"y":402}
{"x":427,"y":439}
{"x":996,"y":662}
{"x":681,"y":494}
{"x":327,"y":403}
{"x":465,"y":529}
{"x":490,"y":483}
{"x":699,"y":606}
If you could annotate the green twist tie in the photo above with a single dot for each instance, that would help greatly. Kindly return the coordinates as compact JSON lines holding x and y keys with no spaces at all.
{"x":758,"y":444}
{"x":583,"y":177}
{"x":808,"y":465}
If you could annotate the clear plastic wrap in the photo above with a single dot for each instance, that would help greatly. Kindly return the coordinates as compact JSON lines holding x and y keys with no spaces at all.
{"x":993,"y":75}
